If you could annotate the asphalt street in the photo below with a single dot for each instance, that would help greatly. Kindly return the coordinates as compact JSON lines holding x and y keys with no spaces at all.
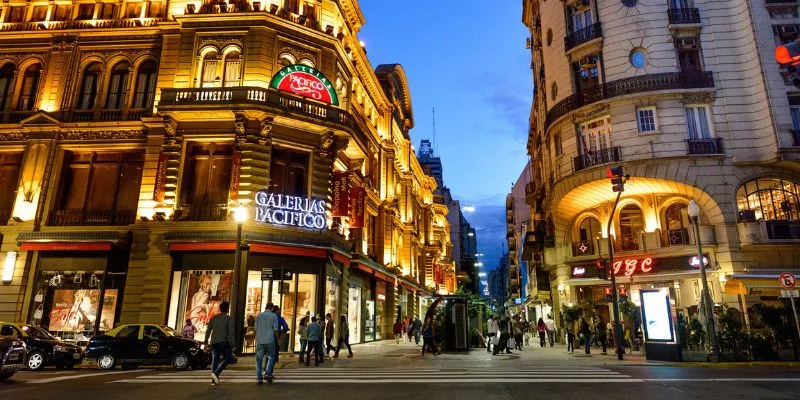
{"x":389,"y":371}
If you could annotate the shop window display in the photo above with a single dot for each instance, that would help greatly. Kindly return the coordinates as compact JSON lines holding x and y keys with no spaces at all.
{"x":204,"y":291}
{"x":369,"y":320}
{"x":66,"y":303}
{"x":354,"y":314}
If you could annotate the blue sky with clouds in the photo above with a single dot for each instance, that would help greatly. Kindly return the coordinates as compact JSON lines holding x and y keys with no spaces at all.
{"x":467,"y":59}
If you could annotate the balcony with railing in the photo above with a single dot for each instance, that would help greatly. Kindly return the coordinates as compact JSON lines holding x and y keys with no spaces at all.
{"x":202,"y":212}
{"x":599,"y":157}
{"x":582,"y":36}
{"x":627,"y":243}
{"x":632,"y":85}
{"x":705,"y":146}
{"x":92,"y":217}
{"x":583,"y":248}
{"x":680,"y":16}
{"x":81,"y":24}
{"x":676,"y":237}
{"x":95,"y":115}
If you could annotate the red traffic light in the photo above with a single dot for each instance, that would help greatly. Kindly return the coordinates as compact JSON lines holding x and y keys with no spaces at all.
{"x":607,"y":291}
{"x":617,"y":176}
{"x":788,"y":53}
{"x":614,"y":171}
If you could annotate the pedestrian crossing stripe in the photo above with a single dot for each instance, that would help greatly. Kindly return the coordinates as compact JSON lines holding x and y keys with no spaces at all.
{"x":373,"y":376}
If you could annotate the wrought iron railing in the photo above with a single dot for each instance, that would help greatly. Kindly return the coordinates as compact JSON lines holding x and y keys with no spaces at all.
{"x":626,"y":86}
{"x":119,"y":114}
{"x":203,"y":212}
{"x":599,"y":157}
{"x":683,"y":16}
{"x":705,"y":146}
{"x":80,"y":24}
{"x":92,"y":217}
{"x":581,"y":36}
{"x":676,"y":237}
{"x":582,"y":248}
{"x":783,"y":229}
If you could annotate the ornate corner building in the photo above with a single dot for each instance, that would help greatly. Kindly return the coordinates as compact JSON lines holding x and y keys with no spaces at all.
{"x":130,"y":131}
{"x":687,"y":97}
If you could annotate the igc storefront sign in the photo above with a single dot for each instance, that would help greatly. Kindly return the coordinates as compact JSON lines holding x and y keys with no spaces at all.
{"x":305,"y":81}
{"x":281,"y":209}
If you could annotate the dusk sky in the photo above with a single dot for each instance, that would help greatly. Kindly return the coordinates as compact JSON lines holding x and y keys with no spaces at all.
{"x":467,"y":59}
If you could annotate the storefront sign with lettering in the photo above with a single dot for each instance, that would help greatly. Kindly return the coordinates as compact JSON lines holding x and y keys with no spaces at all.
{"x":305,"y":81}
{"x":340,"y":205}
{"x":357,"y":197}
{"x":629,"y":267}
{"x":297,"y":211}
{"x":159,"y":188}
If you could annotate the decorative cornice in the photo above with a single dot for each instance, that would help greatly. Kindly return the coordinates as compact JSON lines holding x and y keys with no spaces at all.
{"x":71,"y":236}
{"x":309,"y":239}
{"x":128,"y":134}
{"x":17,"y":136}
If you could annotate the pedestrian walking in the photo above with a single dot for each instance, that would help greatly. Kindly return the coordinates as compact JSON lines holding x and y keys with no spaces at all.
{"x":283,"y":330}
{"x":551,"y":329}
{"x":344,"y":338}
{"x":189,"y":330}
{"x":220,"y":332}
{"x":411,"y":328}
{"x":417,"y":330}
{"x":267,"y":329}
{"x":570,"y":340}
{"x":502,"y":342}
{"x":517,"y":330}
{"x":542,"y":329}
{"x":303,"y":332}
{"x":586,"y":334}
{"x":600,"y":331}
{"x":428,"y":337}
{"x":397,"y":330}
{"x":329,"y":334}
{"x":492,"y":330}
{"x":320,"y":340}
{"x":314,"y":333}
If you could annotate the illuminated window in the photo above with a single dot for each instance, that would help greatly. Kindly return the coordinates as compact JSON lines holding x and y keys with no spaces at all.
{"x":6,"y":80}
{"x":133,"y":10}
{"x":631,"y":225}
{"x":155,"y":9}
{"x":208,"y":75}
{"x":286,"y":60}
{"x":589,"y":230}
{"x":288,"y":172}
{"x":768,"y":199}
{"x":676,"y":224}
{"x":116,"y":86}
{"x":233,"y":67}
{"x":88,"y":89}
{"x":207,"y":174}
{"x":9,"y":179}
{"x":30,"y":85}
{"x":145,"y":85}
{"x":596,"y":135}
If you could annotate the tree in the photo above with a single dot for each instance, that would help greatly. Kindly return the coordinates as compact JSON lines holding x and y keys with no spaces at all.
{"x":475,"y":304}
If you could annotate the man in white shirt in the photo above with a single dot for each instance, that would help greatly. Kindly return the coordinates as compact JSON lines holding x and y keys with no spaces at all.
{"x":551,"y":329}
{"x":492,"y":329}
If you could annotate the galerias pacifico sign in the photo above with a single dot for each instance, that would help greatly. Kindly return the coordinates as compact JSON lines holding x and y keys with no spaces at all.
{"x":283,"y":209}
{"x":305,"y":81}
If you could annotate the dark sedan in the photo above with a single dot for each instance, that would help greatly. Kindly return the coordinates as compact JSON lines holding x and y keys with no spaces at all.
{"x":137,"y":344}
{"x":12,"y":356}
{"x":43,"y":348}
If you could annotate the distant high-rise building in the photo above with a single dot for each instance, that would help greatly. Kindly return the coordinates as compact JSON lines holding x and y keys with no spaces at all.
{"x":430,"y":163}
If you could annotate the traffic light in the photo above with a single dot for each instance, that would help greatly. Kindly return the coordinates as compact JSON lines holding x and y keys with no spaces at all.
{"x":608,"y":294}
{"x":602,"y":271}
{"x":623,"y":294}
{"x":617,"y":178}
{"x":789,"y":55}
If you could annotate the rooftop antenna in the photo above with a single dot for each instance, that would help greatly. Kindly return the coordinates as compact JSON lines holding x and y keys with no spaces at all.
{"x":434,"y":132}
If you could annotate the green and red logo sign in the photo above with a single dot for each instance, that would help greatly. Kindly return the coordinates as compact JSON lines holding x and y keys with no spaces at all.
{"x":305,"y":81}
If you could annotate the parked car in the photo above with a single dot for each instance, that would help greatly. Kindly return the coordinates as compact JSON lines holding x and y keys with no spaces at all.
{"x":43,"y":348}
{"x":12,"y":356}
{"x":136,"y":344}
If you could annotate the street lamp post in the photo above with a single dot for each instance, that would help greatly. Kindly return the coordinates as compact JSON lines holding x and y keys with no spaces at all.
{"x":239,"y":215}
{"x":694,"y":213}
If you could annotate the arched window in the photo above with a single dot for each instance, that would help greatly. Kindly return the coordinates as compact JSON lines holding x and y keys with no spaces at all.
{"x":286,"y":60}
{"x":768,"y":199}
{"x":233,"y":67}
{"x":115,"y":99}
{"x":30,"y":85}
{"x":88,"y":90}
{"x":145,"y":85}
{"x":631,"y":224}
{"x":588,"y":231}
{"x":676,"y":224}
{"x":307,"y":62}
{"x":6,"y":81}
{"x":208,"y":74}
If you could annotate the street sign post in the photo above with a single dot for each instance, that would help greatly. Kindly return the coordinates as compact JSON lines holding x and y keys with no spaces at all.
{"x":787,"y":281}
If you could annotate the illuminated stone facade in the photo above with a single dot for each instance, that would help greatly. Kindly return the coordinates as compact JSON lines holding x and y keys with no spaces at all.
{"x":132,"y":130}
{"x":687,"y":97}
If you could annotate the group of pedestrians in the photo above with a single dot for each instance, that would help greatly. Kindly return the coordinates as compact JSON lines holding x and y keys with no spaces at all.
{"x":269,"y":327}
{"x":595,"y":333}
{"x":414,"y":328}
{"x":514,"y":333}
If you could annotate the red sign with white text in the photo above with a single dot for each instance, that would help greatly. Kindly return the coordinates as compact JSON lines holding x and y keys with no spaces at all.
{"x":340,"y":196}
{"x":629,"y":267}
{"x":305,"y":81}
{"x":357,"y":197}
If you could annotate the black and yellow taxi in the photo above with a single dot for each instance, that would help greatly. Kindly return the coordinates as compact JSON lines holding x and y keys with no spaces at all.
{"x":136,"y":344}
{"x":43,"y":348}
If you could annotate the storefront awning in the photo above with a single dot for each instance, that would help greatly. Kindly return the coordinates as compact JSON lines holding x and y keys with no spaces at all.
{"x":65,"y":246}
{"x":757,"y":283}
